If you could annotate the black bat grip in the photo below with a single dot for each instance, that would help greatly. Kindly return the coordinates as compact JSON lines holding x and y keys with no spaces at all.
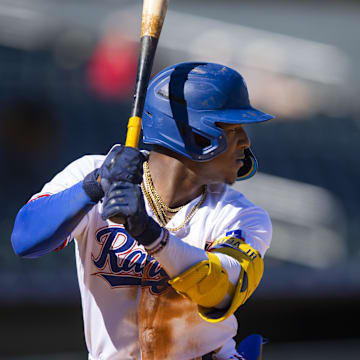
{"x":148,"y":46}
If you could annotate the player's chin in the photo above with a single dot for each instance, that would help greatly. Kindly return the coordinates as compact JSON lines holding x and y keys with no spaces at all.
{"x":230,"y":182}
{"x":232,"y":175}
{"x":230,"y":179}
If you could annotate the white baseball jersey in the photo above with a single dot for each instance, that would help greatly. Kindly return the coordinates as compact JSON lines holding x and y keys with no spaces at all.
{"x":129,"y":310}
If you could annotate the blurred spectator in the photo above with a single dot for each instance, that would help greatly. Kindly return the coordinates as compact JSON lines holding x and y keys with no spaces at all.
{"x":112,"y":67}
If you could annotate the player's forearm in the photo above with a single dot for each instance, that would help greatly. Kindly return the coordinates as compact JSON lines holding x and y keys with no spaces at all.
{"x":43,"y":225}
{"x":177,"y":256}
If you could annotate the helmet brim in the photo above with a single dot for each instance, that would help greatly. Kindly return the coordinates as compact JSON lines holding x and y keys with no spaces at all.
{"x":238,"y":116}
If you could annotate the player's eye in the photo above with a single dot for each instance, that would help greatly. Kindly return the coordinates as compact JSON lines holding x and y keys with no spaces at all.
{"x":233,"y":130}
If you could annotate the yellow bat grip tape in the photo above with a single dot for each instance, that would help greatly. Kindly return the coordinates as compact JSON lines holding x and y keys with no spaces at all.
{"x":133,"y":132}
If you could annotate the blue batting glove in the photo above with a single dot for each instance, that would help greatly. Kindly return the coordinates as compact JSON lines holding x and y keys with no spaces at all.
{"x":126,"y":200}
{"x":121,"y":164}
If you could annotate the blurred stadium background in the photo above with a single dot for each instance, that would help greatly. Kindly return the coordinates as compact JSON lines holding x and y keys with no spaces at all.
{"x":67,"y":71}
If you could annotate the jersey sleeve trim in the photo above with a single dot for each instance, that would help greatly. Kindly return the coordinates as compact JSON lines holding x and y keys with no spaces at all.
{"x":38,"y":197}
{"x":64,"y":244}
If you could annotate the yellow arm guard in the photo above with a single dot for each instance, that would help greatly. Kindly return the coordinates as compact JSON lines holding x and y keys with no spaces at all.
{"x":252,"y":269}
{"x":206,"y":283}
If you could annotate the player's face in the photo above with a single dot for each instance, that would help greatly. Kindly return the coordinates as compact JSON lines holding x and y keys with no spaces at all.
{"x":224,"y":168}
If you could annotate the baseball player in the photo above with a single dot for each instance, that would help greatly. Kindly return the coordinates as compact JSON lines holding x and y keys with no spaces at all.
{"x":166,"y":250}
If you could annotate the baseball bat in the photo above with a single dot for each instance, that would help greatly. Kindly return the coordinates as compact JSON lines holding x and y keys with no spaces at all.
{"x":153,"y":15}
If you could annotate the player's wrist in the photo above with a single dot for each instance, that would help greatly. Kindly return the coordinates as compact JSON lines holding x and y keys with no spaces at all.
{"x":144,"y":230}
{"x":92,"y":187}
{"x":159,"y":244}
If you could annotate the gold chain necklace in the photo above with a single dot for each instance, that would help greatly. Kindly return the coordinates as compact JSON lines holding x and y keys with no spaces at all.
{"x":155,"y":193}
{"x":159,"y":207}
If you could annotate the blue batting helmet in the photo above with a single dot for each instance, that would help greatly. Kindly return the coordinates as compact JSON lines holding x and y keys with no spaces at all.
{"x":185,"y":101}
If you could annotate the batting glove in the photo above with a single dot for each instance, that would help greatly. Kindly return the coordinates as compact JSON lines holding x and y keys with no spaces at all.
{"x":121,"y":164}
{"x":126,"y":200}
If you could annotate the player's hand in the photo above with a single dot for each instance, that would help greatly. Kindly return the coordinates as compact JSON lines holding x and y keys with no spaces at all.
{"x":125,"y":199}
{"x":121,"y":164}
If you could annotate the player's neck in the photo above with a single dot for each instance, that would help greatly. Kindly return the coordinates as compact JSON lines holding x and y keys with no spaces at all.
{"x":173,"y":180}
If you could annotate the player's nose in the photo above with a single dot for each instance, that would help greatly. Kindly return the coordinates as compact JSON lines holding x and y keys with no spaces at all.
{"x":243,"y":140}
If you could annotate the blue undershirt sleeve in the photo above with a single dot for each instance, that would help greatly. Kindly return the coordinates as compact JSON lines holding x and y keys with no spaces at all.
{"x":42,"y":225}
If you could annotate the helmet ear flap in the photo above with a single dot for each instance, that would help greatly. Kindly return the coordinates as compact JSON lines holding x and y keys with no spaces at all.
{"x":249,"y":168}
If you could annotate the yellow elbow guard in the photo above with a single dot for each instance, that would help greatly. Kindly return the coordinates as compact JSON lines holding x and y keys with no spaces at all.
{"x":252,"y":269}
{"x":205,"y":283}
